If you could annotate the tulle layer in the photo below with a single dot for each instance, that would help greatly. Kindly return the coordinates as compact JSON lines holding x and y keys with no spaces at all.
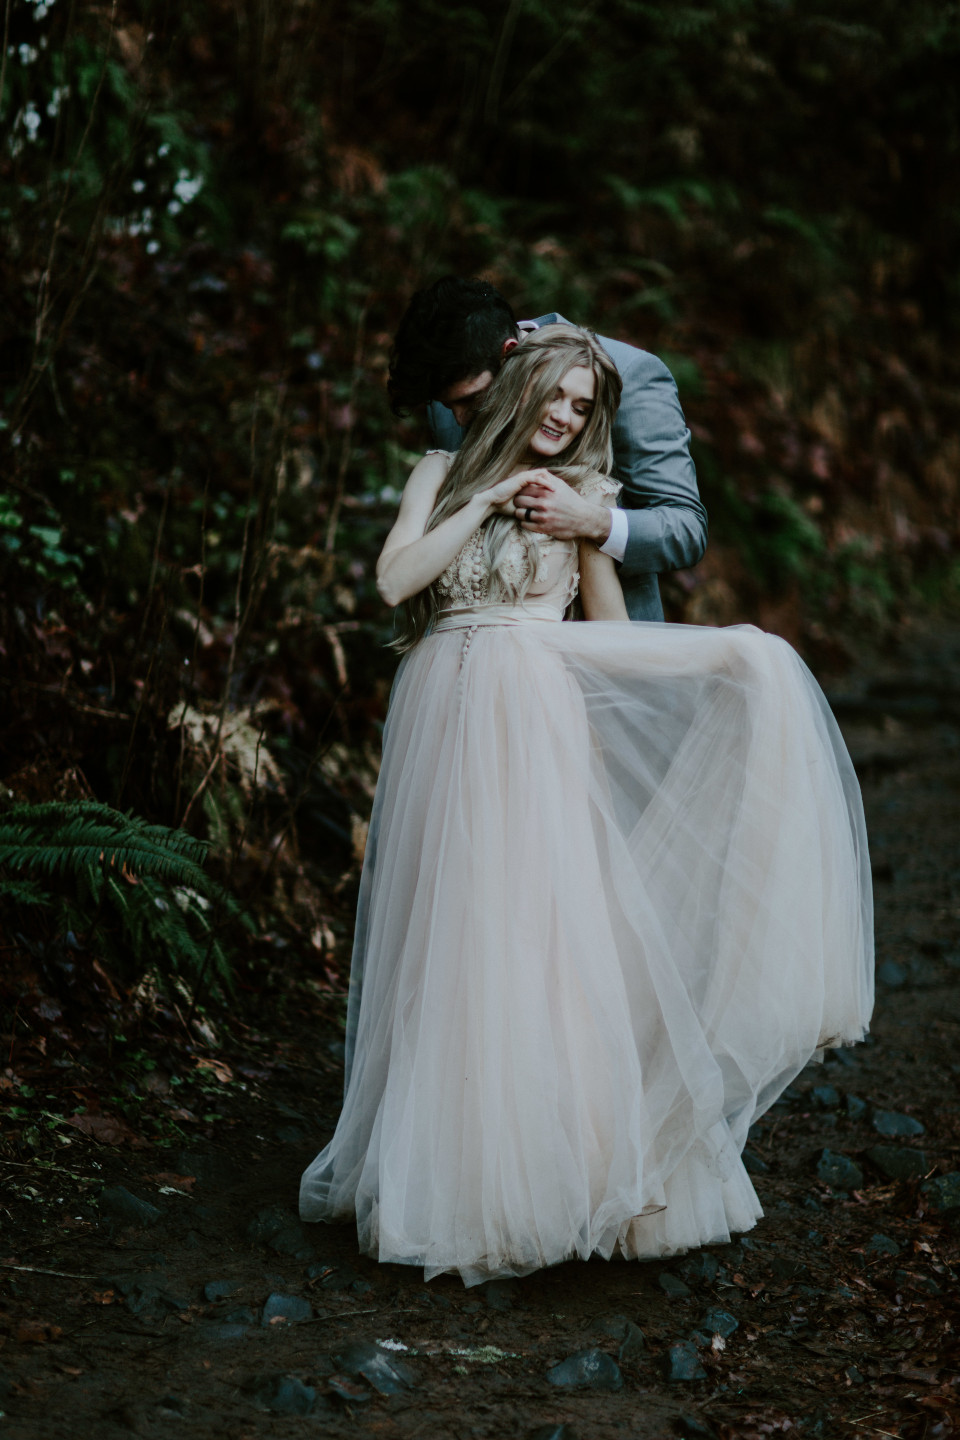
{"x":616,"y":895}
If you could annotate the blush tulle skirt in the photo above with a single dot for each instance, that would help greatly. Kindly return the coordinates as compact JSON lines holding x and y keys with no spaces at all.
{"x":616,"y":895}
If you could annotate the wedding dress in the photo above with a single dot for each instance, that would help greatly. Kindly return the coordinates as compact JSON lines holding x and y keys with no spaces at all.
{"x":616,"y":895}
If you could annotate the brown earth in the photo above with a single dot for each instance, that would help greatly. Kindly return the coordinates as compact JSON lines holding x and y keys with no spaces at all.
{"x":105,"y":1329}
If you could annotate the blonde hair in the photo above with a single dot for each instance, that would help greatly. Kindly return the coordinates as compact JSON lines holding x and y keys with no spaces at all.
{"x":497,"y":442}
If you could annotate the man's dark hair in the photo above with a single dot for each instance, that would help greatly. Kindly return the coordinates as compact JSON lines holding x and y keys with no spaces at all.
{"x":452,"y":330}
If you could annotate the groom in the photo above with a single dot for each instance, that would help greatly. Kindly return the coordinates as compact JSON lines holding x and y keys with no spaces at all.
{"x":452,"y":341}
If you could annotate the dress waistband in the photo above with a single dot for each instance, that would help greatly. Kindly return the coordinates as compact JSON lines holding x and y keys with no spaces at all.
{"x":469,"y":617}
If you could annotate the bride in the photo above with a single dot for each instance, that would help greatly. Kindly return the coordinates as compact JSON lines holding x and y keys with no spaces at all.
{"x":616,"y":891}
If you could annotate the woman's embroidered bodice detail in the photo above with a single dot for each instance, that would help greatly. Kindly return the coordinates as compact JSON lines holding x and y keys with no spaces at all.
{"x":550,"y":565}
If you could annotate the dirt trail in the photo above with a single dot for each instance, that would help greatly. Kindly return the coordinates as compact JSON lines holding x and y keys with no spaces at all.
{"x":832,"y":1318}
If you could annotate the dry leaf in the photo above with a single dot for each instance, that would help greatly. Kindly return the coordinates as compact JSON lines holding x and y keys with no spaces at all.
{"x":175,"y":1182}
{"x":107,"y":1129}
{"x":37,"y":1332}
{"x":222,"y":1071}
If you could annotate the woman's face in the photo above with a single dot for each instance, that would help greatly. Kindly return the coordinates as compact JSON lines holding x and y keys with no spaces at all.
{"x":565,"y":415}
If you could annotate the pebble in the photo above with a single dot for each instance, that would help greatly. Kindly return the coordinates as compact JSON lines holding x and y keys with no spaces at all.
{"x":218,"y":1290}
{"x":119,"y":1205}
{"x":700,"y":1268}
{"x":908,"y":1280}
{"x":692,"y":1428}
{"x":753,"y":1164}
{"x":672,"y":1286}
{"x":348,"y":1389}
{"x":899,"y":1163}
{"x":500,"y":1294}
{"x":839,"y":1171}
{"x":719,"y":1322}
{"x":942,"y":1193}
{"x":892,"y":975}
{"x":882,"y":1245}
{"x":587,"y":1370}
{"x":681,"y":1362}
{"x":856,"y":1108}
{"x":380,"y":1368}
{"x":285,"y":1309}
{"x":284,"y":1395}
{"x":281,"y":1232}
{"x":890,"y":1124}
{"x":222,"y":1332}
{"x":826,"y":1096}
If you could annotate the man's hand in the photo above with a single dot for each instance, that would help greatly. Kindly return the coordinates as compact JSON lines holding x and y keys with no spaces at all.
{"x":547,"y":505}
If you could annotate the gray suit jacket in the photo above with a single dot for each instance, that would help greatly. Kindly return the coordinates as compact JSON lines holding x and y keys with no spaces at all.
{"x":651,"y":459}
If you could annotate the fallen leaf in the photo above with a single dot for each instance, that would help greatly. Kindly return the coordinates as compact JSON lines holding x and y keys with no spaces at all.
{"x":222,"y":1071}
{"x":107,"y":1129}
{"x":37,"y":1332}
{"x":175,"y":1182}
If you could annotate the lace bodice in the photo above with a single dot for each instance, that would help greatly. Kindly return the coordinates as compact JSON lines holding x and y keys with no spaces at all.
{"x":551,"y":564}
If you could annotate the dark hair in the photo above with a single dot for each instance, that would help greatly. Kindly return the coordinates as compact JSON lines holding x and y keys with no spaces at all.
{"x":452,"y":330}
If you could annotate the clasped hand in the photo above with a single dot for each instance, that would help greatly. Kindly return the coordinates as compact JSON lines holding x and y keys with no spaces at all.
{"x":547,"y":505}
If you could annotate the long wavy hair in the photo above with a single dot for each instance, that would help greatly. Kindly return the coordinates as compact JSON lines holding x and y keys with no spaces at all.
{"x":496,"y":444}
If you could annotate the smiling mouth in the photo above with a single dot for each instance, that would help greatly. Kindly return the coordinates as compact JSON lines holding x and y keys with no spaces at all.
{"x":551,"y":434}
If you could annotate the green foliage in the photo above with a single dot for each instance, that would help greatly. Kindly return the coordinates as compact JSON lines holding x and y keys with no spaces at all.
{"x":141,"y":888}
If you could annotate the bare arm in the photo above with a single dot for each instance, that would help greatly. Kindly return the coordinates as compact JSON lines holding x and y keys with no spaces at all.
{"x":411,"y":559}
{"x":600,"y":591}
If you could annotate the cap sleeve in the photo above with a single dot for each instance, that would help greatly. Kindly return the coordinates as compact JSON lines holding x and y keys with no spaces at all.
{"x":600,"y":488}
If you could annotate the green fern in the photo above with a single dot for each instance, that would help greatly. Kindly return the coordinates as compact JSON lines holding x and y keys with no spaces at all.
{"x":97,"y":866}
{"x":57,"y":838}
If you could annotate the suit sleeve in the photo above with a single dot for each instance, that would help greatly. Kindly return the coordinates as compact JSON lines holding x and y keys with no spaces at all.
{"x":651,"y":453}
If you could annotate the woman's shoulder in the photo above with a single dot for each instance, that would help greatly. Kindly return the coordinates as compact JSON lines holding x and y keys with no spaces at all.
{"x":602,"y":488}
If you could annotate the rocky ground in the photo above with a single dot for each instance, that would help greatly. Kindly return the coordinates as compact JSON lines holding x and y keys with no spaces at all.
{"x":169,"y":1290}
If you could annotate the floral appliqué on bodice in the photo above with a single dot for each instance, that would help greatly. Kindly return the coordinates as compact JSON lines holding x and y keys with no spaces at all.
{"x":466,"y":582}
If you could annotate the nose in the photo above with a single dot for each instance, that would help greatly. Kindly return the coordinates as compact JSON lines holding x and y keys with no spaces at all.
{"x":560,"y":411}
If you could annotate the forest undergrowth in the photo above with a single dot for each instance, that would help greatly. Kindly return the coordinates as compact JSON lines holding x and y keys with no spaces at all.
{"x":214,"y":216}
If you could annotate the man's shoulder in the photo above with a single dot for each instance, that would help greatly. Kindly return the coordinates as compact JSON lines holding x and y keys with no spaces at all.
{"x":629,"y":359}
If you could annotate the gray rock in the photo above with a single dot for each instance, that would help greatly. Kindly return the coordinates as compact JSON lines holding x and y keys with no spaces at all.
{"x":285,"y":1309}
{"x":221,"y":1333}
{"x":281,"y":1232}
{"x":681,"y":1362}
{"x":290,"y":1135}
{"x":123,"y":1208}
{"x":284,"y":1395}
{"x":942,"y":1194}
{"x":349,"y":1389}
{"x":753,"y":1164}
{"x":719,"y":1322}
{"x":882,"y":1245}
{"x":622,"y":1329}
{"x":908,"y":1280}
{"x":380,"y":1368}
{"x":171,"y":1407}
{"x":587,"y":1370}
{"x":501,"y":1294}
{"x":892,"y":1125}
{"x":826,"y":1096}
{"x":672,"y":1286}
{"x":691,"y":1428}
{"x":856,"y":1108}
{"x":839,"y":1171}
{"x":218,"y":1290}
{"x":899,"y":1163}
{"x":242,"y":1315}
{"x":700,"y":1268}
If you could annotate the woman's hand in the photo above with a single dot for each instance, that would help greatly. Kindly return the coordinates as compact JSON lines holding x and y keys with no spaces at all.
{"x":499,"y":498}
